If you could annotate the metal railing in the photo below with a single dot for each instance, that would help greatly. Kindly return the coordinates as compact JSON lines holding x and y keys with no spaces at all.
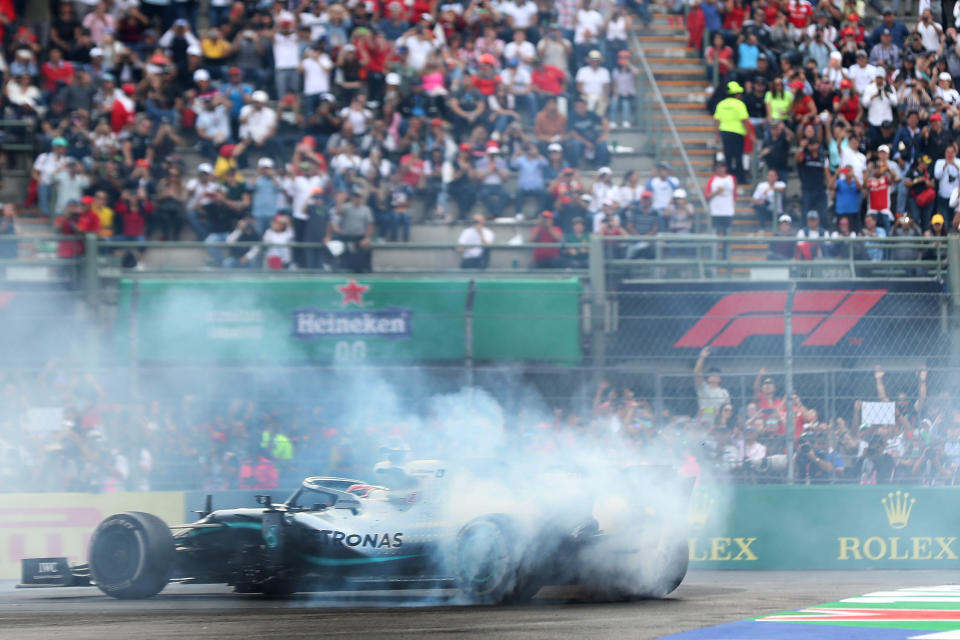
{"x":650,"y":99}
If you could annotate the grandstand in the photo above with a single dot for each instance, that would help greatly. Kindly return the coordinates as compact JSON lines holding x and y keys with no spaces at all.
{"x":382,"y":181}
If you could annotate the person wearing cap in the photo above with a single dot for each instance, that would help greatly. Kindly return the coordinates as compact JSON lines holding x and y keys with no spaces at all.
{"x":178,"y":38}
{"x":936,"y":136}
{"x":258,"y":124}
{"x":203,"y":192}
{"x":662,"y":185}
{"x":721,"y":194}
{"x":546,"y":231}
{"x":813,"y":230}
{"x":354,"y":227}
{"x":264,"y":192}
{"x":945,"y":90}
{"x":286,"y":55}
{"x":880,"y":100}
{"x":818,"y":49}
{"x":679,"y":217}
{"x":938,"y":229}
{"x":785,"y":246}
{"x":847,"y":193}
{"x":879,"y":187}
{"x":593,"y":83}
{"x":492,"y":171}
{"x":921,"y":190}
{"x":642,"y":220}
{"x":45,"y":169}
{"x":213,"y":124}
{"x":603,"y":188}
{"x":69,"y":184}
{"x":896,"y":29}
{"x":731,"y":119}
{"x":472,"y":245}
{"x":588,"y":132}
{"x":861,"y":72}
{"x":885,"y":53}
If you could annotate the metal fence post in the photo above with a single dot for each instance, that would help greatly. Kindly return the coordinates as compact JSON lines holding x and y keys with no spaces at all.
{"x":598,"y":313}
{"x":91,"y":281}
{"x":953,"y":283}
{"x":788,"y":376}
{"x":468,"y":333}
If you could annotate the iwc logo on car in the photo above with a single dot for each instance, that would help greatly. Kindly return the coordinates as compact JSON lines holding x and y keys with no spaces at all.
{"x":897,"y":507}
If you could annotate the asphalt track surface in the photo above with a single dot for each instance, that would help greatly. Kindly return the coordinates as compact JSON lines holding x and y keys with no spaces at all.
{"x":705,"y":598}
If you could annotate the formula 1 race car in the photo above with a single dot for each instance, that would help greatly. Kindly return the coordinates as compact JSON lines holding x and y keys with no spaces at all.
{"x":341,"y":534}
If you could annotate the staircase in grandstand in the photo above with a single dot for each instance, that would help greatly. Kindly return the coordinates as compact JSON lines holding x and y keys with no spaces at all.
{"x":680,"y":74}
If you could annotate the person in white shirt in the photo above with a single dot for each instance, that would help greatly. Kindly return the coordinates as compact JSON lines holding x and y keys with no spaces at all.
{"x":879,"y":98}
{"x":521,"y":49}
{"x":587,"y":31}
{"x":45,"y":167}
{"x":201,"y":191}
{"x":258,"y":123}
{"x":930,"y":31}
{"x":278,"y":238}
{"x":316,"y":67}
{"x":862,"y":73}
{"x":472,"y":244}
{"x":419,"y":47}
{"x":286,"y":56}
{"x":593,"y":83}
{"x":520,"y":15}
{"x":945,"y":89}
{"x":768,"y":197}
{"x":662,"y":185}
{"x":721,"y":193}
{"x":603,"y":189}
{"x":357,"y":114}
{"x":850,"y":156}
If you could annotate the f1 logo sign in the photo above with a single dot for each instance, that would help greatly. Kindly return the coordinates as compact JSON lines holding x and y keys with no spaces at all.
{"x":825,"y":315}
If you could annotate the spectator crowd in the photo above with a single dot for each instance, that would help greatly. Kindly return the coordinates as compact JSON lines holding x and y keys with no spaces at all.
{"x":326,"y":122}
{"x":863,"y":122}
{"x":61,"y":431}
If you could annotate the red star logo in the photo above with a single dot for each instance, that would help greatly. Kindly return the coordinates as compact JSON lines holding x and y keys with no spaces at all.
{"x":352,"y":293}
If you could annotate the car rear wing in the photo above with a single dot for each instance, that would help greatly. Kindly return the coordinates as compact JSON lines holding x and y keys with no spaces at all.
{"x":52,"y":572}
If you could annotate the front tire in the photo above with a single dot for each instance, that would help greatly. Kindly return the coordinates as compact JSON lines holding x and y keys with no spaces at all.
{"x":131,"y":555}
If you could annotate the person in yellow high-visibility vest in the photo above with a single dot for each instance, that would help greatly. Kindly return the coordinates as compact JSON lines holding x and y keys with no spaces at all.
{"x":731,"y":117}
{"x":278,"y":445}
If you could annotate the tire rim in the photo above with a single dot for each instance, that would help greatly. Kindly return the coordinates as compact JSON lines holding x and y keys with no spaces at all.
{"x":483,"y":558}
{"x":116,"y":556}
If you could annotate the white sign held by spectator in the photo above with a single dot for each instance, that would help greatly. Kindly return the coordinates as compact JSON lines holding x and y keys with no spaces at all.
{"x":878,"y":413}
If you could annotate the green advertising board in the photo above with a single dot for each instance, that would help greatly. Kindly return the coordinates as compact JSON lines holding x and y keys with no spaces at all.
{"x":323,"y":320}
{"x":824,"y":527}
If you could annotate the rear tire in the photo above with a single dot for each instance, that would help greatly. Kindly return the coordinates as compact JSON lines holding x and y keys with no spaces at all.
{"x":131,"y":555}
{"x":488,"y":566}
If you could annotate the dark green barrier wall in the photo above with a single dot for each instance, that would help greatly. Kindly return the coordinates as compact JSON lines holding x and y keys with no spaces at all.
{"x":831,"y":527}
{"x":344,"y":320}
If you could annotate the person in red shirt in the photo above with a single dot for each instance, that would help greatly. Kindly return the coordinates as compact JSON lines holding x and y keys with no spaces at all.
{"x":799,"y":13}
{"x":89,"y":221}
{"x":547,"y":79}
{"x":55,"y":70}
{"x":878,"y":187}
{"x":486,"y":79}
{"x":546,"y":232}
{"x":124,"y":109}
{"x":412,"y":168}
{"x":372,"y":52}
{"x":765,"y":395}
{"x":132,"y":210}
{"x":847,"y":103}
{"x":67,"y":225}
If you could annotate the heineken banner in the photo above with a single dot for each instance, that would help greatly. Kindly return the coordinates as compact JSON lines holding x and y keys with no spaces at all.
{"x":824,"y":527}
{"x":347,"y":320}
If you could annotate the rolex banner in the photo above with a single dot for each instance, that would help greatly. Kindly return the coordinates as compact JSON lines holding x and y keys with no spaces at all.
{"x":824,"y":527}
{"x":347,"y":320}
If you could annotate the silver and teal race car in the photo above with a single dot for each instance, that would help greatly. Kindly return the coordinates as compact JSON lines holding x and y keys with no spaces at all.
{"x":407,"y":530}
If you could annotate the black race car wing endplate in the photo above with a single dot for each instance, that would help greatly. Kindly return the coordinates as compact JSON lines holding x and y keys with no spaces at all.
{"x":52,"y":572}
